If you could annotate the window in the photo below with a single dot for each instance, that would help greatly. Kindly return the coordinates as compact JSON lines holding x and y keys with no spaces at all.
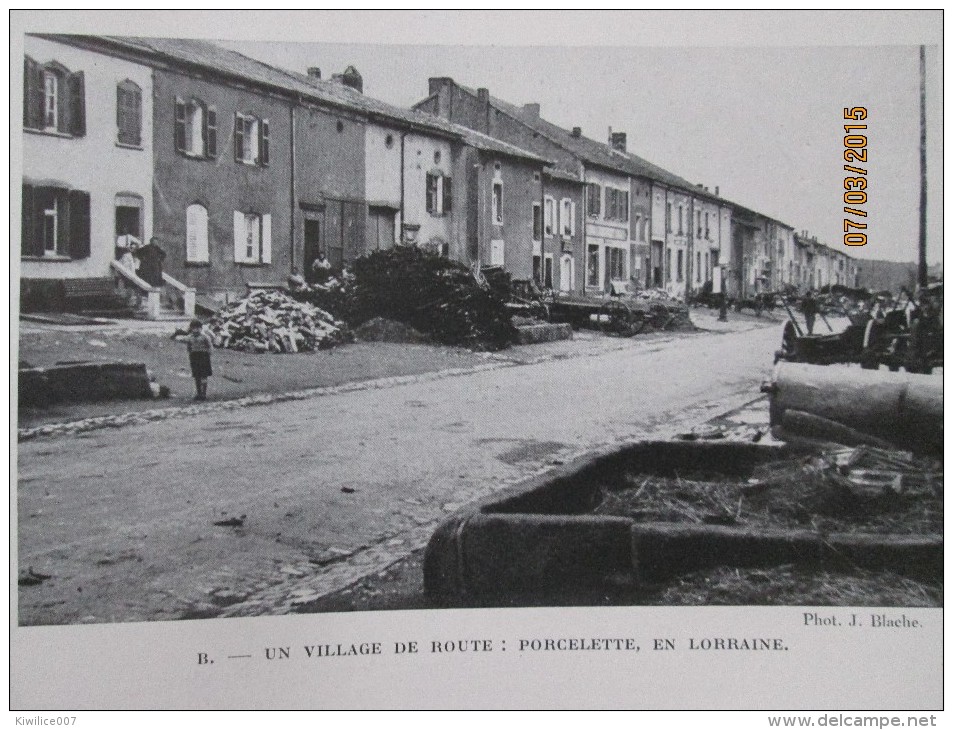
{"x":498,"y":202}
{"x":637,"y":229}
{"x":55,"y":222}
{"x":438,"y":194}
{"x":252,"y":238}
{"x":668,"y":265}
{"x":550,"y":217}
{"x":195,"y":128}
{"x":593,"y":199}
{"x":592,"y":266}
{"x":668,"y":217}
{"x":681,"y":265}
{"x":698,"y":267}
{"x":615,"y":263}
{"x":567,"y":217}
{"x":537,"y":222}
{"x":698,"y":224}
{"x":54,"y":100}
{"x":251,"y":140}
{"x":548,"y":272}
{"x":196,"y":233}
{"x":681,"y":220}
{"x":643,"y":234}
{"x":129,"y":113}
{"x":617,"y":204}
{"x":707,"y":230}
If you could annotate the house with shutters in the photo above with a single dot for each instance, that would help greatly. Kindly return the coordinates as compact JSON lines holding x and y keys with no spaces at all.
{"x":621,"y":200}
{"x":87,"y":163}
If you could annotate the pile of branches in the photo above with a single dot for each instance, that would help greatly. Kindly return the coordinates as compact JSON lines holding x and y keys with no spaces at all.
{"x":438,"y":297}
{"x":274,"y":322}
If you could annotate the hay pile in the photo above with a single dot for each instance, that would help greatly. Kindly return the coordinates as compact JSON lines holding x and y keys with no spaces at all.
{"x":849,"y":490}
{"x":274,"y":322}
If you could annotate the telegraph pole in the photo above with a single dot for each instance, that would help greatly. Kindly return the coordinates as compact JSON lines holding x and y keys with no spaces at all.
{"x":922,"y":272}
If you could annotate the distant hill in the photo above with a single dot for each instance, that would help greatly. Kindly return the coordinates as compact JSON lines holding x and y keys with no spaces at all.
{"x":890,"y":275}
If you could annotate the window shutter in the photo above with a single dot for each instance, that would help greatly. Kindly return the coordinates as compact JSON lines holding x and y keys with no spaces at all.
{"x":239,"y":137}
{"x":121,"y":114}
{"x":180,"y":125}
{"x":263,"y":151}
{"x":191,"y":234}
{"x":30,"y":245}
{"x":210,"y":132}
{"x":79,"y":243}
{"x":447,"y":196}
{"x":266,"y":238}
{"x":32,"y":94}
{"x":238,"y":224}
{"x":77,"y":104}
{"x":136,"y":114}
{"x":572,"y":218}
{"x":430,"y":192}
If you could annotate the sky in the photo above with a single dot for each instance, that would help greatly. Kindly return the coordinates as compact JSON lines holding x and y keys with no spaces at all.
{"x":764,"y":124}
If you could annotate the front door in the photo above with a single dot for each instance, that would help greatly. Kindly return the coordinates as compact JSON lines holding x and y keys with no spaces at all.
{"x":312,"y":244}
{"x":565,"y":273}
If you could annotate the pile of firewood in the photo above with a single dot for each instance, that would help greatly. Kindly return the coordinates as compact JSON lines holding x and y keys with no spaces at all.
{"x":274,"y":322}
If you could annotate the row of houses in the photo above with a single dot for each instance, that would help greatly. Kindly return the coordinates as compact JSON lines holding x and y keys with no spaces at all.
{"x":244,"y":172}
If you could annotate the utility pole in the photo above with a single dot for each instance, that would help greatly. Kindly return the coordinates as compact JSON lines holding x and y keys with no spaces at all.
{"x":922,"y":273}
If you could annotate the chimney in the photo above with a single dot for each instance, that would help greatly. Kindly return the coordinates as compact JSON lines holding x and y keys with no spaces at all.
{"x":617,"y":141}
{"x":314,"y":72}
{"x":483,"y":95}
{"x":531,"y":111}
{"x":350,"y":78}
{"x":436,"y":83}
{"x":716,"y":190}
{"x":577,"y":131}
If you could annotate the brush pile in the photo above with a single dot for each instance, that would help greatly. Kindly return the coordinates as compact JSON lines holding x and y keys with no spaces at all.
{"x":274,"y":322}
{"x":432,"y":294}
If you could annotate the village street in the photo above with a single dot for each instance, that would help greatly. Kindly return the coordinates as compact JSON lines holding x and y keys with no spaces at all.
{"x":332,"y":488}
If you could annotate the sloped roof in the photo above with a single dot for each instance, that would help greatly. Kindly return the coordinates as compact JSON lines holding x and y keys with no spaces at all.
{"x":593,"y":152}
{"x":238,"y":66}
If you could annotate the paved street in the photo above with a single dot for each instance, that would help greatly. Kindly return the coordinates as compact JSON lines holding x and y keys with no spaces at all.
{"x":332,"y":488}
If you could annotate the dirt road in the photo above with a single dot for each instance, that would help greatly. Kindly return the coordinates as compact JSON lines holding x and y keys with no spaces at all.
{"x":316,"y":493}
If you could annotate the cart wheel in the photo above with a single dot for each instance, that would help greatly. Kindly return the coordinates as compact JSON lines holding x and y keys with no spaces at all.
{"x":615,"y":318}
{"x":637,"y":323}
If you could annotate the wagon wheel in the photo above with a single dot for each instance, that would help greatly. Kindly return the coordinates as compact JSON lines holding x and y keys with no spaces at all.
{"x":659,"y":317}
{"x":615,"y":318}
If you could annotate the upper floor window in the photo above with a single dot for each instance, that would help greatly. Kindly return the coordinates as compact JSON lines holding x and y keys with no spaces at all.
{"x":54,"y":100}
{"x":567,"y":217}
{"x":617,"y":204}
{"x":129,"y":113}
{"x":251,"y":140}
{"x":707,"y":229}
{"x":439,"y":195}
{"x":537,"y":222}
{"x":668,"y":218}
{"x":498,"y":202}
{"x":681,"y":220}
{"x":593,"y":199}
{"x":550,"y":216}
{"x":698,"y":224}
{"x":195,"y":128}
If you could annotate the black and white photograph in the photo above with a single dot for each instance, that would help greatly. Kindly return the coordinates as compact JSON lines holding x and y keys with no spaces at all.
{"x":381,"y":351}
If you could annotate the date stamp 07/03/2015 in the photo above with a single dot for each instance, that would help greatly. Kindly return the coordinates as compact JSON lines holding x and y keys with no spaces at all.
{"x":855,"y":178}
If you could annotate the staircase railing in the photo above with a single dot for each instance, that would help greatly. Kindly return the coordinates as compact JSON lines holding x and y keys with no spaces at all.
{"x":152,"y":293}
{"x":187,"y":292}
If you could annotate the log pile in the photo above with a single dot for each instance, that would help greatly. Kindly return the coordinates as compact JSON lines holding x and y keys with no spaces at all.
{"x":274,"y":322}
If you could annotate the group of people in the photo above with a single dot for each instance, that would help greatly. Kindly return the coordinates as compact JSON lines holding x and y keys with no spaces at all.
{"x":144,"y":260}
{"x":320,"y":271}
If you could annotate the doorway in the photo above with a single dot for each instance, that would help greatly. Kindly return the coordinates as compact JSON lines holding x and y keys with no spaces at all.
{"x":380,"y":229}
{"x":312,"y":244}
{"x":565,"y":272}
